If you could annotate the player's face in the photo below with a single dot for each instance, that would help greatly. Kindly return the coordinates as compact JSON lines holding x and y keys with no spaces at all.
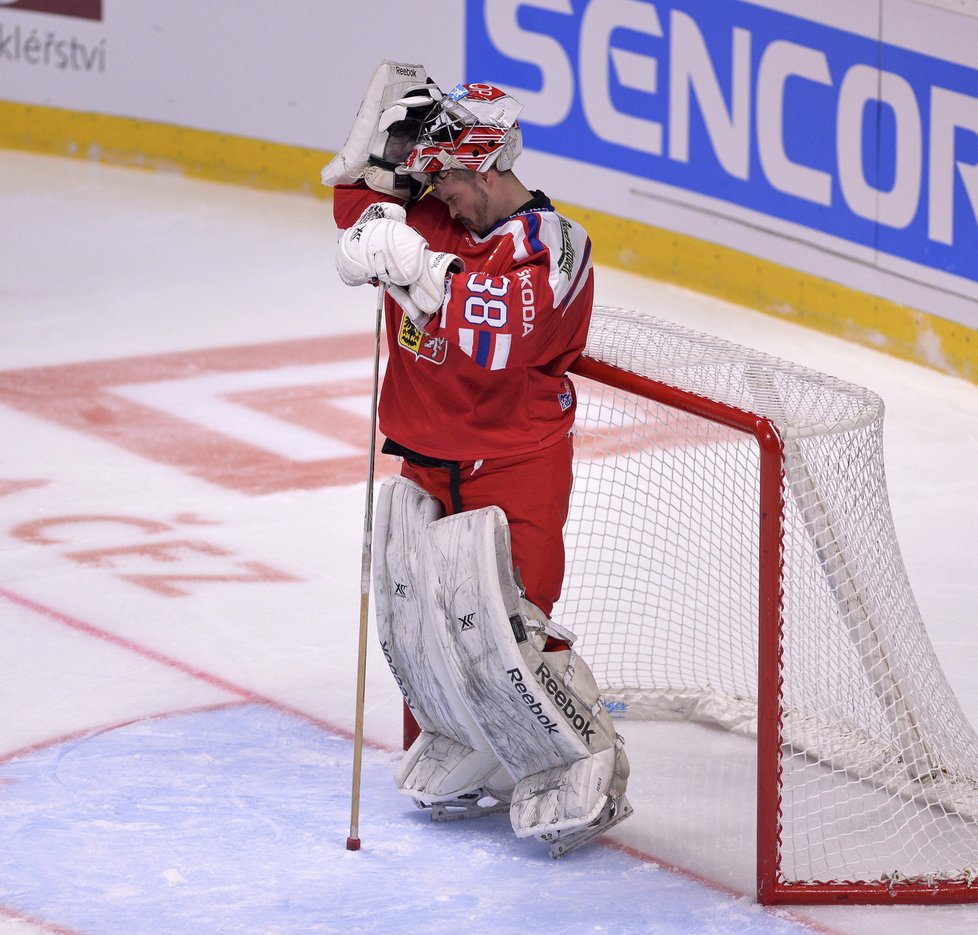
{"x":467,"y":197}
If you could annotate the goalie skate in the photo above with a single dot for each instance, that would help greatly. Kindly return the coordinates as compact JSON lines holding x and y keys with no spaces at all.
{"x":614,"y":812}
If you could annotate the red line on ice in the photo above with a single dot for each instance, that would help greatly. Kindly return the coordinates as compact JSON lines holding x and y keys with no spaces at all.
{"x":16,"y":916}
{"x":245,"y":693}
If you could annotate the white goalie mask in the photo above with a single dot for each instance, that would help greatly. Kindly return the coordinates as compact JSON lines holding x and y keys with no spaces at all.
{"x":473,"y":127}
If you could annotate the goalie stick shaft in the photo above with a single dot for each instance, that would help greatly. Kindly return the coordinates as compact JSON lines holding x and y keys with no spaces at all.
{"x":353,"y":841}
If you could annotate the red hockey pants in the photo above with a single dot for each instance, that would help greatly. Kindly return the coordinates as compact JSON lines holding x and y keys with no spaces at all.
{"x":532,"y":490}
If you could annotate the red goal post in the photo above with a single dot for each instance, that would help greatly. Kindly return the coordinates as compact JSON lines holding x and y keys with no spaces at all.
{"x":732,"y":560}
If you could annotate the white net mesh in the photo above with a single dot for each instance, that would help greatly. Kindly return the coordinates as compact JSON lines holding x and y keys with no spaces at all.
{"x":879,"y":766}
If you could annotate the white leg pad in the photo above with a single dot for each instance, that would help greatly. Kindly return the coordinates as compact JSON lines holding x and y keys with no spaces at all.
{"x":451,"y":756}
{"x":565,"y":797}
{"x":540,"y":712}
{"x":437,"y":768}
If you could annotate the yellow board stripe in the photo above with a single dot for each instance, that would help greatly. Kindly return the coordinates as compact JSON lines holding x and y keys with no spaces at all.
{"x":143,"y":144}
{"x":784,"y":292}
{"x":664,"y":255}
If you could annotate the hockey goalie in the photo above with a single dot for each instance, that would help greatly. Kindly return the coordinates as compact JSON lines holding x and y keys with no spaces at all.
{"x":488,"y":299}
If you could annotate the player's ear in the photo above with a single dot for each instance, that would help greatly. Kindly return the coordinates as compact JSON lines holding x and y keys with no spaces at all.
{"x":488,"y":179}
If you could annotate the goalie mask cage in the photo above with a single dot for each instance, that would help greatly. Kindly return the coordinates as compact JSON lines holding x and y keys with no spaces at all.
{"x":732,"y":560}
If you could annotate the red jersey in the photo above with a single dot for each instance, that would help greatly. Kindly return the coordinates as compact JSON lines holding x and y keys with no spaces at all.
{"x":487,"y":377}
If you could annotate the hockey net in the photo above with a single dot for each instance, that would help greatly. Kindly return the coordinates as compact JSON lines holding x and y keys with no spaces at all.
{"x":732,"y":560}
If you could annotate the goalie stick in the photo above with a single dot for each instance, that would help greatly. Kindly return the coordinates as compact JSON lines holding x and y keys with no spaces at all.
{"x":353,"y":840}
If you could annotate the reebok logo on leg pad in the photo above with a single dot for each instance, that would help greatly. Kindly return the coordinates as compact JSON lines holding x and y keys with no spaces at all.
{"x":534,"y":706}
{"x":563,"y":701}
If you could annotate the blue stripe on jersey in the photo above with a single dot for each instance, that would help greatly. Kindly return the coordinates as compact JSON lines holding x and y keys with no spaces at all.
{"x":483,"y":347}
{"x":533,"y":232}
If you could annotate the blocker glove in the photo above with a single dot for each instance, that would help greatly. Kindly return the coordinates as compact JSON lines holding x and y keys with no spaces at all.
{"x":379,"y":246}
{"x":382,"y":246}
{"x":425,"y":296}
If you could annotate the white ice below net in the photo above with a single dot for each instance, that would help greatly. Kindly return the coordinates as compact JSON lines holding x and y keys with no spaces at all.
{"x":879,"y":764}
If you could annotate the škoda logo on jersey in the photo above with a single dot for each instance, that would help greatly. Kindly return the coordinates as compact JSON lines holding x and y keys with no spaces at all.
{"x":422,"y":345}
{"x":80,"y":9}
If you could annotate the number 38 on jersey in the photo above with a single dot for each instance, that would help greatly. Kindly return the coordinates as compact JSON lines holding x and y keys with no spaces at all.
{"x":486,"y":302}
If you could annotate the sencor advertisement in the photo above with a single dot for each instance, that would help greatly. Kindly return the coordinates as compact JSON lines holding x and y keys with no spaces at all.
{"x":837,"y":139}
{"x":873,"y":144}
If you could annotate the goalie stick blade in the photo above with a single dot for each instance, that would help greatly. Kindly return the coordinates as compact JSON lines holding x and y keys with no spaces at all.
{"x":565,"y":843}
{"x":466,"y":806}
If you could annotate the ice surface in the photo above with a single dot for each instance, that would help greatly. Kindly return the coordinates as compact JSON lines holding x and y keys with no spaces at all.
{"x":180,"y":590}
{"x":229,"y":820}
